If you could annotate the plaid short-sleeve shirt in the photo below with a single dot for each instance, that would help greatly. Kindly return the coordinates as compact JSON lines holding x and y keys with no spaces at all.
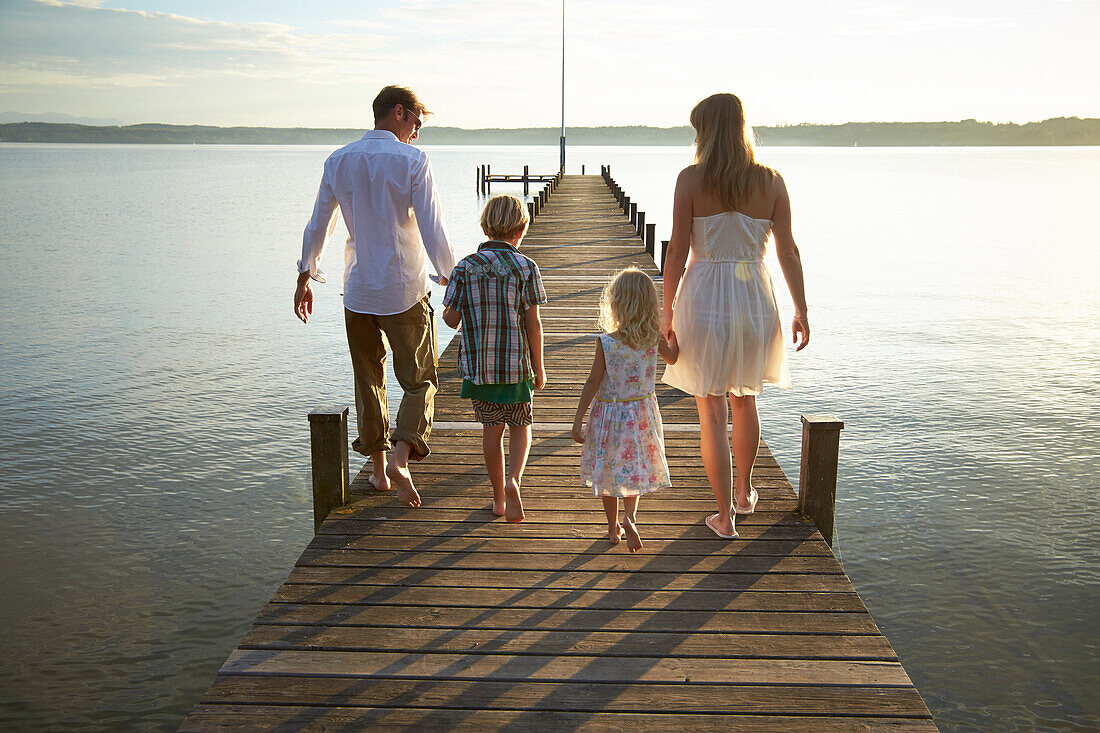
{"x":491,"y":289}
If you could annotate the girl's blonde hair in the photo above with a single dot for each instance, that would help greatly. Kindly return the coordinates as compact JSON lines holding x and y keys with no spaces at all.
{"x":724,"y":153}
{"x":504,"y":217}
{"x":629,"y":305}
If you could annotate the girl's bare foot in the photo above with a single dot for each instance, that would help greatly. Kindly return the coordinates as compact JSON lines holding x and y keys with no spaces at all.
{"x":402,"y":481}
{"x":498,"y":506}
{"x":513,"y":504}
{"x":633,"y":539}
{"x":615,"y":533}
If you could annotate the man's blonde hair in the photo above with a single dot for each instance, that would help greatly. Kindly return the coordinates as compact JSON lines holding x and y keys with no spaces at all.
{"x":504,"y":217}
{"x":629,"y":306}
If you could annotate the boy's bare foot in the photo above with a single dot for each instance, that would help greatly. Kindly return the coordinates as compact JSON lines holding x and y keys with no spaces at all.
{"x":615,"y":533}
{"x":379,"y":481}
{"x":402,"y":481}
{"x":498,"y":507}
{"x":513,"y":505}
{"x":633,"y":539}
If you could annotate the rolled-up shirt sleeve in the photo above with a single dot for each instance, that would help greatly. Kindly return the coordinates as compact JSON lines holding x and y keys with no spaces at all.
{"x":318,"y":230}
{"x":429,"y":218}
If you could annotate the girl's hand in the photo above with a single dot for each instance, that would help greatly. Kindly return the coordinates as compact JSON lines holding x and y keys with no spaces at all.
{"x":800,"y":326}
{"x":578,"y":432}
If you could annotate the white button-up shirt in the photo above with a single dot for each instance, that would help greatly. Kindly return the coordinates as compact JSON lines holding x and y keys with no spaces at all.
{"x":395,"y":224}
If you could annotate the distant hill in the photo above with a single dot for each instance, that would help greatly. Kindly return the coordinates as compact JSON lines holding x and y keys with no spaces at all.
{"x":1057,"y":131}
{"x":6,"y":117}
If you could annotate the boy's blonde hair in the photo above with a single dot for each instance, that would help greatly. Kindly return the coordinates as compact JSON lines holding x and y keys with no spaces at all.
{"x":504,"y":217}
{"x":629,"y":305}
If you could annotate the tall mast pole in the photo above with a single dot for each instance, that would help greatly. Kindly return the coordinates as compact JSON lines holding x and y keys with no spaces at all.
{"x":562,"y":168}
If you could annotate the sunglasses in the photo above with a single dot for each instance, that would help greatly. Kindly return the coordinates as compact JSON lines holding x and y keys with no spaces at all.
{"x":419,"y":122}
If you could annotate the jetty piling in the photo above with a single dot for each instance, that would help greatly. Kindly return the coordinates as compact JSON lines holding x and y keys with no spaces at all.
{"x":818,"y":471}
{"x":328,"y":441}
{"x":447,"y":618}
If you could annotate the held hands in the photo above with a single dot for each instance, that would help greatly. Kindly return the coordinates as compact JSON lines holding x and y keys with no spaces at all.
{"x":800,"y":326}
{"x":303,"y":301}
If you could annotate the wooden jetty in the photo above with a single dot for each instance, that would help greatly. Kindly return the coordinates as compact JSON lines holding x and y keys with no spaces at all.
{"x":446,"y":618}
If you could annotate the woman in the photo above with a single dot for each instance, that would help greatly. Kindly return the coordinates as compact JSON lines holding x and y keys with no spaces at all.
{"x":722,"y":305}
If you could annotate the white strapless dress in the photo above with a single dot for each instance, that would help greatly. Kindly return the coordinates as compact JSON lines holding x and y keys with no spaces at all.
{"x":725,"y":318}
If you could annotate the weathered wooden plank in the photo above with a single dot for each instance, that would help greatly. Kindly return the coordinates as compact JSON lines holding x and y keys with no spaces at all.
{"x":249,"y":718}
{"x":766,"y":621}
{"x":606,"y":698}
{"x":518,"y":545}
{"x":565,"y":668}
{"x":710,"y":565}
{"x":584,"y":643}
{"x":632,"y":591}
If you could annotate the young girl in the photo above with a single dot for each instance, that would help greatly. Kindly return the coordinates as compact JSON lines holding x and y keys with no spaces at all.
{"x":495,"y":294}
{"x":624,"y":447}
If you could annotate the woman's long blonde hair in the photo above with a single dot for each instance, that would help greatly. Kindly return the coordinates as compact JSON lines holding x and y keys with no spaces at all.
{"x":724,"y":152}
{"x":629,"y":305}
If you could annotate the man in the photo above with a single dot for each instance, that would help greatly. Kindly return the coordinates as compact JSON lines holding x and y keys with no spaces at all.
{"x":384,"y":187}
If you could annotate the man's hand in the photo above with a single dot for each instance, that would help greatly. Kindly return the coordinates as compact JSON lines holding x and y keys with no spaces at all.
{"x":438,"y":279}
{"x":303,"y":299}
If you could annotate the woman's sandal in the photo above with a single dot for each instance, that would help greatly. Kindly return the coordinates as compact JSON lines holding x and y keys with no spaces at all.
{"x":720,"y":534}
{"x":753,"y":498}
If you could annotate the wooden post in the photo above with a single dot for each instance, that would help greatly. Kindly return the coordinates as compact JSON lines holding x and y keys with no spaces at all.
{"x":531,"y":210}
{"x":625,"y":203}
{"x":641,"y":224}
{"x":526,"y":180}
{"x":328,"y":442}
{"x":582,"y":169}
{"x":488,"y":172}
{"x":817,"y":476}
{"x":664,"y":251}
{"x":650,"y":238}
{"x":537,"y":203}
{"x":633,"y":213}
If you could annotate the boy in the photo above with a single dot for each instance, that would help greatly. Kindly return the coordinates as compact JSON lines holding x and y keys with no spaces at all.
{"x":495,"y":294}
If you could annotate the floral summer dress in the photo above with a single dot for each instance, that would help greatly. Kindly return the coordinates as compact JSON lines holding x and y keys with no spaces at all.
{"x":624,"y":446}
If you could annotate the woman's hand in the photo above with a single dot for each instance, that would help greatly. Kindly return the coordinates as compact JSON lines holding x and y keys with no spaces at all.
{"x":578,"y":432}
{"x":666,"y":324}
{"x":800,"y":326}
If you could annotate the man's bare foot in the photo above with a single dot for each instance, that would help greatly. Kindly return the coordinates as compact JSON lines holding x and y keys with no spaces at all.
{"x":615,"y":533}
{"x":379,"y":481}
{"x":633,"y":539}
{"x":402,"y":481}
{"x":513,"y":505}
{"x":498,"y":507}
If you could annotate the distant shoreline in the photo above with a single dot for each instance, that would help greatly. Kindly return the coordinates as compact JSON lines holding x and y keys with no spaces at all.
{"x":1056,"y":131}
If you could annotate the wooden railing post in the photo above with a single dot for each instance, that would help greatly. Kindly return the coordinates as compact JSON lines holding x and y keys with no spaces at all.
{"x":633,"y":212}
{"x":328,"y":442}
{"x":530,"y":210}
{"x":582,"y":169}
{"x":641,"y":224}
{"x":817,"y":476}
{"x":650,"y":238}
{"x":664,"y":251}
{"x":526,"y":180}
{"x":626,"y":204}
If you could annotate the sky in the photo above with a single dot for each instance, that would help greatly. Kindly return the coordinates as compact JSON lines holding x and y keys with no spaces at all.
{"x":497,"y":63}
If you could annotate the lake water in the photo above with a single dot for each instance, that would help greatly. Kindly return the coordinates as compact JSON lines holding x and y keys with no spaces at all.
{"x":154,"y":445}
